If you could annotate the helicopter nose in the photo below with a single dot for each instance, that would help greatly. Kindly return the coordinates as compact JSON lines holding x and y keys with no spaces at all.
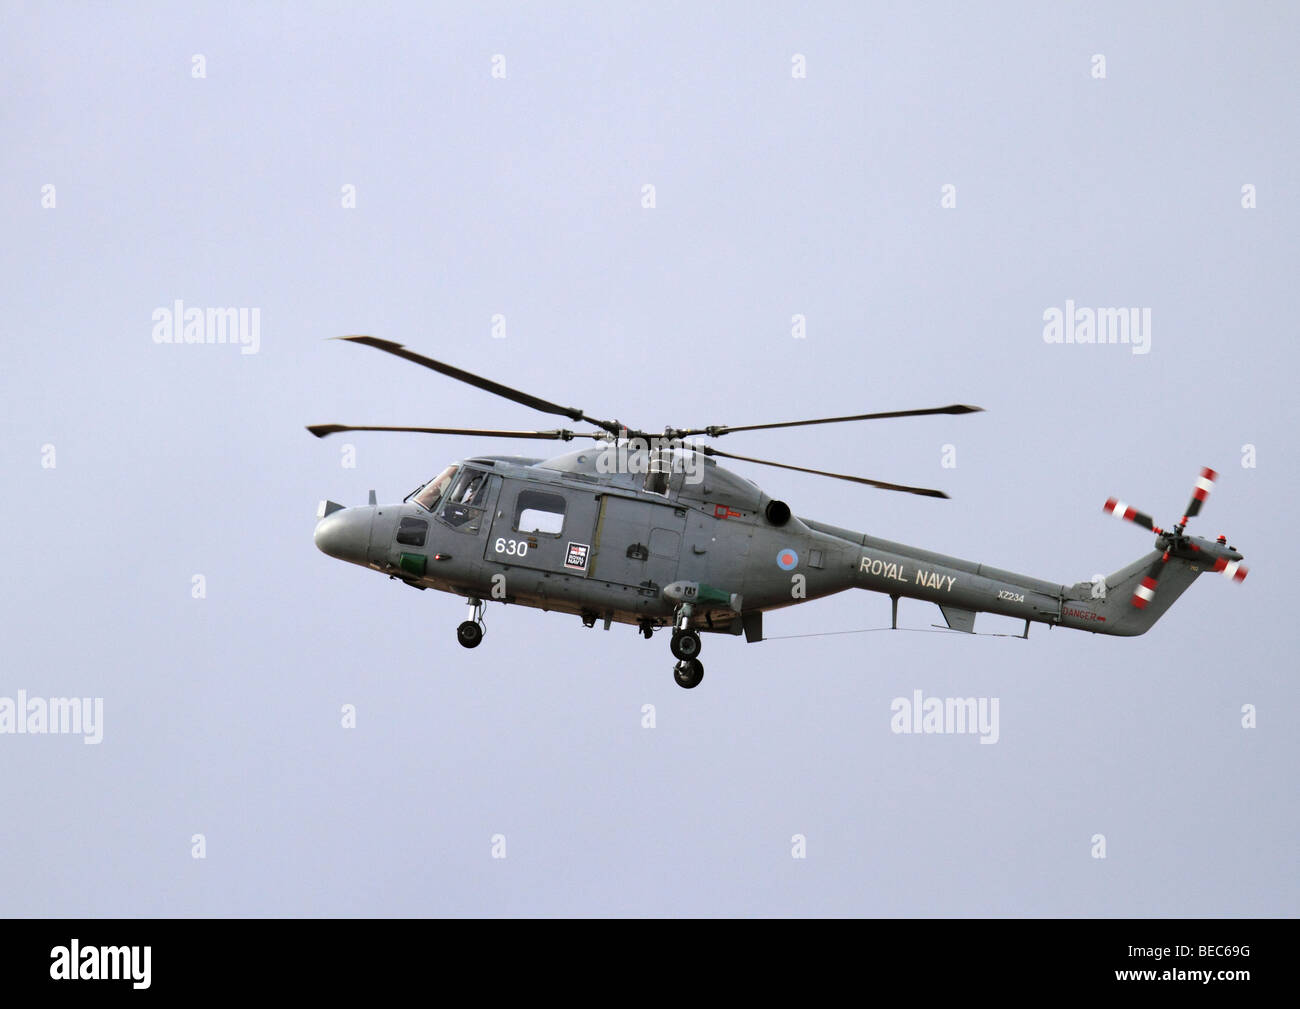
{"x":345,"y":534}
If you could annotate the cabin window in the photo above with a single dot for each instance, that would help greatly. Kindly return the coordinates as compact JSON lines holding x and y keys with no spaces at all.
{"x":412,"y":531}
{"x":539,"y":512}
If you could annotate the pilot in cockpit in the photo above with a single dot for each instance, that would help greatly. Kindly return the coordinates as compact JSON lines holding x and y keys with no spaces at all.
{"x":472,"y":489}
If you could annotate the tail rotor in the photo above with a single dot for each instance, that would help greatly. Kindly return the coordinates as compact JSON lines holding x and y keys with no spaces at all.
{"x":1175,"y":543}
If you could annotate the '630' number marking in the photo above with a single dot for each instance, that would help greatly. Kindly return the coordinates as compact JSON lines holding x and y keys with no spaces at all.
{"x":512,"y":548}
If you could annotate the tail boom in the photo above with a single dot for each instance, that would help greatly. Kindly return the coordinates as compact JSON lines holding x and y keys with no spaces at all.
{"x":1122,"y":604}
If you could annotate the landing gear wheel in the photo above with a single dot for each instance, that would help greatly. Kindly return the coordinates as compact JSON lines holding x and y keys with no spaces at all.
{"x":469,"y":634}
{"x":689,"y":673}
{"x":685,"y":645}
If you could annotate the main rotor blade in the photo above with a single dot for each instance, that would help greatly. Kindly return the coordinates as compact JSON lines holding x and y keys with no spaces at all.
{"x":718,"y":430}
{"x":486,"y":384}
{"x":322,"y":430}
{"x":923,"y":491}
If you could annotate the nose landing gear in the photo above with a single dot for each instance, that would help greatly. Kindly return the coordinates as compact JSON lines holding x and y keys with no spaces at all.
{"x":470,"y":633}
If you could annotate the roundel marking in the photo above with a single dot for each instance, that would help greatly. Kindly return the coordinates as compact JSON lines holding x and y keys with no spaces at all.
{"x":787,"y":559}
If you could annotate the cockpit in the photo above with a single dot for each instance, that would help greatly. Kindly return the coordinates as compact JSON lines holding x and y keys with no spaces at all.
{"x":457,"y":495}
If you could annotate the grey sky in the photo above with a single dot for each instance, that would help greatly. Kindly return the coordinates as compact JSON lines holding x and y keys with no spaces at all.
{"x":775,"y":196}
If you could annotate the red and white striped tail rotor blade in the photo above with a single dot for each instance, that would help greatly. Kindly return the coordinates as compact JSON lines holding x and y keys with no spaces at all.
{"x":1120,"y":510}
{"x":1144,"y":593}
{"x":1231,"y":570}
{"x":1204,"y":484}
{"x":1146,"y":588}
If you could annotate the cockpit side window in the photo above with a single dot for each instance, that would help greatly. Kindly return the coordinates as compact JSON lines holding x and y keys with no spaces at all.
{"x":462,"y":508}
{"x":470,"y":489}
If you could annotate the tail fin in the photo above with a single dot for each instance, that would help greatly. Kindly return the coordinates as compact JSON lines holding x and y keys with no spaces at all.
{"x":1129,"y":608}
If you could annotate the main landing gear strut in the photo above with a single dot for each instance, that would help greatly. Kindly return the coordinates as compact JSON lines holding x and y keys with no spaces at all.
{"x":685,"y":647}
{"x":470,"y":633}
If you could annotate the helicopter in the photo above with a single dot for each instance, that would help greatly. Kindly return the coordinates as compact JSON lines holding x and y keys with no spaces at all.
{"x":649,"y":530}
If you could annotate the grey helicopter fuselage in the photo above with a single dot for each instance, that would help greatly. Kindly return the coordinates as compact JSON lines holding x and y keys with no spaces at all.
{"x":672,"y":538}
{"x":649,"y":530}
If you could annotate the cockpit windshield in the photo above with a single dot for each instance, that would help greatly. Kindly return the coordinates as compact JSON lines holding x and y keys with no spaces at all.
{"x":427,"y":496}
